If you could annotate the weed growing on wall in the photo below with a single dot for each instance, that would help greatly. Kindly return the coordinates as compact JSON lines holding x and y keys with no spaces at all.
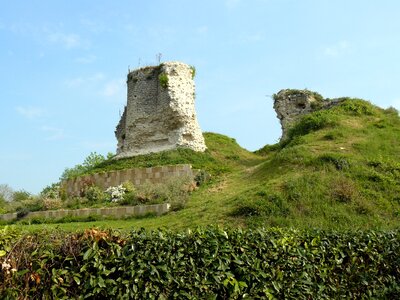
{"x":163,"y":79}
{"x":193,"y":71}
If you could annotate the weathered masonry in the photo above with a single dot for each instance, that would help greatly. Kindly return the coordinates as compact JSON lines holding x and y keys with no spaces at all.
{"x":118,"y":212}
{"x":160,"y":112}
{"x":290,"y":105}
{"x":138,"y":176}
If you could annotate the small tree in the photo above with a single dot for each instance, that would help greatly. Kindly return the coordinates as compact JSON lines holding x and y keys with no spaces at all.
{"x":21,"y":195}
{"x":91,"y":161}
{"x":6,"y":192}
{"x":3,"y":204}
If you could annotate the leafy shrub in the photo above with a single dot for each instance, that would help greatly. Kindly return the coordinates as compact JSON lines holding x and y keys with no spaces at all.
{"x":201,"y":177}
{"x":51,"y":191}
{"x":86,"y":184}
{"x":22,"y":212}
{"x":95,"y":194}
{"x":312,"y":122}
{"x":31,"y":204}
{"x":75,"y":202}
{"x":340,"y":162}
{"x":357,"y":107}
{"x":116,"y":193}
{"x":129,"y":187}
{"x":90,"y":162}
{"x":221,"y":264}
{"x":391,"y":111}
{"x":343,"y":190}
{"x":8,"y":236}
{"x":174,"y":191}
{"x":146,"y":192}
{"x":50,"y":204}
{"x":263,"y":203}
{"x":130,"y":198}
{"x":21,"y":195}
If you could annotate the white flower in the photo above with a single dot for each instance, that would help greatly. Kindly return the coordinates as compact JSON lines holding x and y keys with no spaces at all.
{"x":5,"y":266}
{"x":116,"y":192}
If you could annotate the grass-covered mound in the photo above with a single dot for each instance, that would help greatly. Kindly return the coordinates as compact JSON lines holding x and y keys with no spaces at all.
{"x":223,"y":154}
{"x":338,"y":167}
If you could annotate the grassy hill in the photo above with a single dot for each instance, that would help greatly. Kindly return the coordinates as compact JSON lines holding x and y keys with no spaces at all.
{"x":339,"y":168}
{"x":223,"y":155}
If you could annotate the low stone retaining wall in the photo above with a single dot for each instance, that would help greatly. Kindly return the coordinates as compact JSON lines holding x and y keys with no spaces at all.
{"x":118,"y":212}
{"x":138,"y":176}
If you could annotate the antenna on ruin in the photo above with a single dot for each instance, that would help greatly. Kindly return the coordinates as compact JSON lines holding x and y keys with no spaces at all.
{"x":158,"y":57}
{"x":139,"y":62}
{"x":129,"y":69}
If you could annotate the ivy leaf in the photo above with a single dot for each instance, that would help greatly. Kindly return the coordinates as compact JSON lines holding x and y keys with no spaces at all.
{"x":87,"y":254}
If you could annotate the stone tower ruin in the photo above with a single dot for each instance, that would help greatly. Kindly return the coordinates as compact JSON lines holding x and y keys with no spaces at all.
{"x":290,"y":105}
{"x":160,"y":112}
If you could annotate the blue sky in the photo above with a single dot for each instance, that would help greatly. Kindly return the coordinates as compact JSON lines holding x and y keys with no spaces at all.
{"x":63,"y":66}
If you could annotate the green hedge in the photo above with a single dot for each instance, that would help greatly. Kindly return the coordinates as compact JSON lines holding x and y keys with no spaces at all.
{"x":210,"y":263}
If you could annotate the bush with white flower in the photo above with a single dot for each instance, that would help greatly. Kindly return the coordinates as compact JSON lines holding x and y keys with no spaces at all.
{"x":116,"y":193}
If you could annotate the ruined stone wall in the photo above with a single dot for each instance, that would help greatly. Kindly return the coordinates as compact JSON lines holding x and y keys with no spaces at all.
{"x":290,"y":105}
{"x":137,"y":176}
{"x":118,"y":212}
{"x":160,"y":112}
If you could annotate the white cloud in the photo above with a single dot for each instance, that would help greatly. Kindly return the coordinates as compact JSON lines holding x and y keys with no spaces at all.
{"x":30,"y":112}
{"x":54,"y":134}
{"x":68,"y":41}
{"x":79,"y":81}
{"x":338,"y":49}
{"x":114,"y":88}
{"x":49,"y":34}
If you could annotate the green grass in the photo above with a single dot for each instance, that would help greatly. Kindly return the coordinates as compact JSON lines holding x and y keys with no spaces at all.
{"x":339,"y":169}
{"x":223,"y":155}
